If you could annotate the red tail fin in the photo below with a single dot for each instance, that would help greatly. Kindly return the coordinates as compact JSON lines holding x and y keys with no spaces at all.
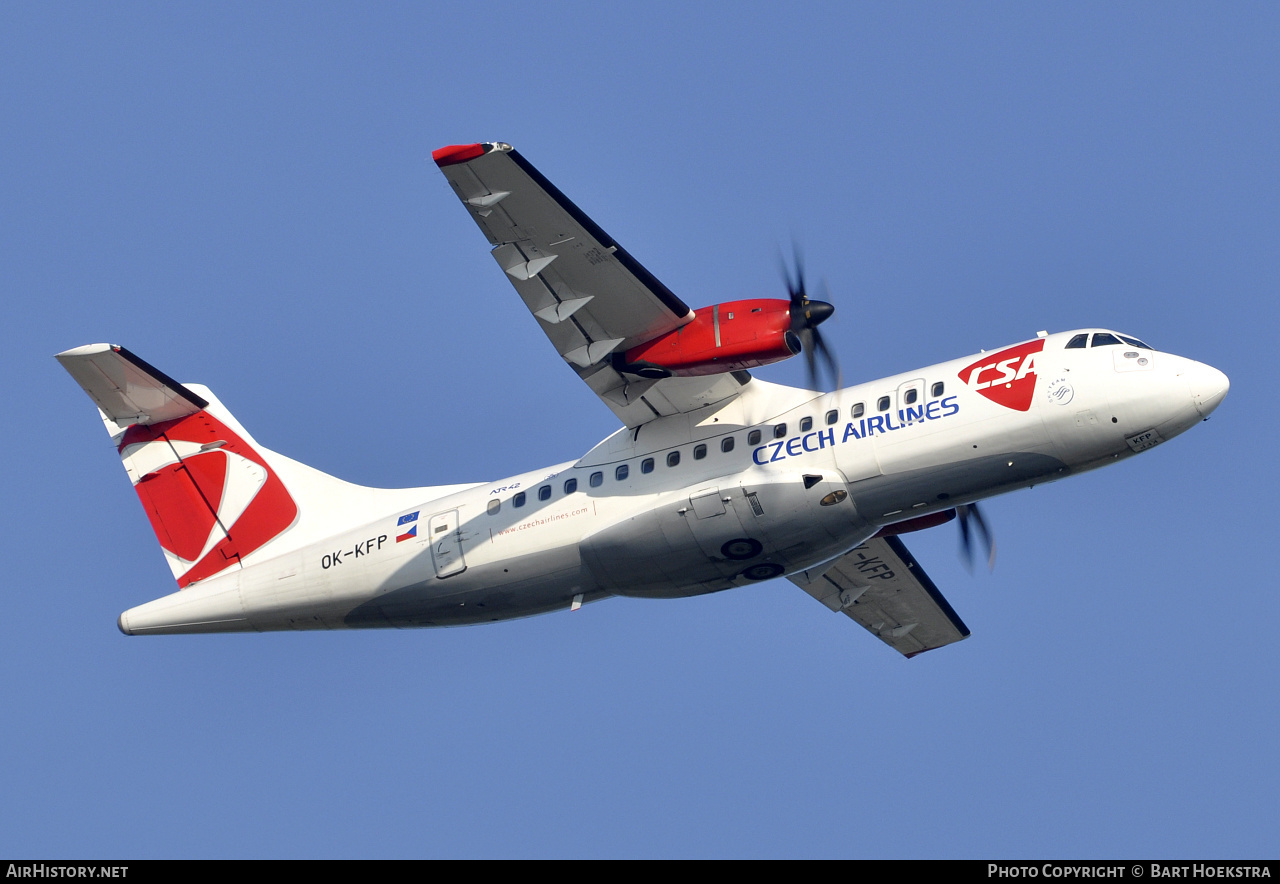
{"x":212,"y":499}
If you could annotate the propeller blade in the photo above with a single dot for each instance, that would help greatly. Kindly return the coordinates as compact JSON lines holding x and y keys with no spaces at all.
{"x":809,"y":348}
{"x":971,"y":514}
{"x":806,"y":316}
{"x":795,"y":288}
{"x":820,"y":349}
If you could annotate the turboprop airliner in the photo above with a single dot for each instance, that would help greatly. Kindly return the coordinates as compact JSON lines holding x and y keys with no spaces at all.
{"x":716,"y":479}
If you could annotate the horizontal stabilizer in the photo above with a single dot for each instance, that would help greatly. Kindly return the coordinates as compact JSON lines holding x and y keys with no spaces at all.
{"x":127,"y":389}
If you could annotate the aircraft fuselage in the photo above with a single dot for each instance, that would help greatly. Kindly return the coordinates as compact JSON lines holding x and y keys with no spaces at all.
{"x":776,"y":481}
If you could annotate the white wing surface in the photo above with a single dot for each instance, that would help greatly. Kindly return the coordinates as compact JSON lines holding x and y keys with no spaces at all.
{"x":591,"y":298}
{"x":881,"y":586}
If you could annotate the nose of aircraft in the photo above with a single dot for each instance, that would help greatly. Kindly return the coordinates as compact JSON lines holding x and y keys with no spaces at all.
{"x":1208,"y":387}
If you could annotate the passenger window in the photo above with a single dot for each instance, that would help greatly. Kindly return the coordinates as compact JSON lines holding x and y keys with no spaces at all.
{"x":494,"y":506}
{"x":832,"y":417}
{"x":622,"y":472}
{"x":859,"y":410}
{"x":726,"y":444}
{"x":1102,"y":339}
{"x":806,"y":424}
{"x":518,"y":500}
{"x":544,"y":493}
{"x":570,"y":486}
{"x":753,"y":438}
{"x":882,"y":404}
{"x":1077,"y":343}
{"x":699,"y":452}
{"x":646,"y":465}
{"x":673,"y":458}
{"x":597,"y":479}
{"x":910,"y":396}
{"x":779,"y":430}
{"x":936,"y":390}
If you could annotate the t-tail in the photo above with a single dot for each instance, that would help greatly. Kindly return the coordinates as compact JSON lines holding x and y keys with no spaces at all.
{"x":217,"y":500}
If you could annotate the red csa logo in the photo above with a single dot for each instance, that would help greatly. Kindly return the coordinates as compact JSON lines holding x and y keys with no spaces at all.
{"x":1007,"y":378}
{"x":211,"y":498}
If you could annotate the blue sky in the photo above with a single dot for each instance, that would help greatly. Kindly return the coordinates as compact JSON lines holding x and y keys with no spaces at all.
{"x":243,"y":196}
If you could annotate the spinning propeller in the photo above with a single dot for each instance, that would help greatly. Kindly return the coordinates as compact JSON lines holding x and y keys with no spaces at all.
{"x":969,"y":513}
{"x":806,"y":316}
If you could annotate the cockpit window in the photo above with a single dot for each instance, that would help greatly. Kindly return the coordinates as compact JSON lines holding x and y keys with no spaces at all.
{"x":1134,"y":342}
{"x":1079,"y":342}
{"x":1104,"y":339}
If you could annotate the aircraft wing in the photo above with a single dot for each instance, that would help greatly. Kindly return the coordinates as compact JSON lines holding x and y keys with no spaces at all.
{"x":882,"y":586}
{"x":590,"y":296}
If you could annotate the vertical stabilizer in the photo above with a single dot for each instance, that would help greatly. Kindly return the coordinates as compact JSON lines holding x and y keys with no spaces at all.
{"x":216,"y":499}
{"x":211,"y":496}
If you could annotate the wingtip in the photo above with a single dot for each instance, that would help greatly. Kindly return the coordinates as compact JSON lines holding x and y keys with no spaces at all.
{"x":454,"y":154}
{"x":458,"y":153}
{"x":86,"y":350}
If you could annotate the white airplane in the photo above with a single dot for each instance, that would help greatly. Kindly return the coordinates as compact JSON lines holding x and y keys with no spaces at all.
{"x":716,"y":480}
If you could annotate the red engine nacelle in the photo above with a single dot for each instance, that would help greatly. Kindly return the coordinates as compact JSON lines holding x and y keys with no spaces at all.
{"x":726,"y":337}
{"x":919,"y":523}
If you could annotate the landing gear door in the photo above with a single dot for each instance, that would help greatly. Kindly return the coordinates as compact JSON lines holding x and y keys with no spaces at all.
{"x":446,"y":544}
{"x":714,"y":521}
